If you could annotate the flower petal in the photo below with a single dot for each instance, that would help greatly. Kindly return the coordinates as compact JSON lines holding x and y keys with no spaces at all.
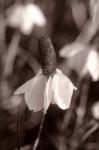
{"x":22,"y":89}
{"x":48,"y":95}
{"x":34,"y":97}
{"x":34,"y":92}
{"x":63,"y":90}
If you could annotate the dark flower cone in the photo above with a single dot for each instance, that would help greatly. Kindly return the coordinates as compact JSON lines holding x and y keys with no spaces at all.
{"x":47,"y":56}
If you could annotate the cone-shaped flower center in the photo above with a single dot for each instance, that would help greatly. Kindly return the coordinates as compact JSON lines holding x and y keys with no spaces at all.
{"x":48,"y":56}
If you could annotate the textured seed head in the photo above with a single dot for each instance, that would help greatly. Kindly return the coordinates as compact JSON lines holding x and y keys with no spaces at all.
{"x":47,"y":56}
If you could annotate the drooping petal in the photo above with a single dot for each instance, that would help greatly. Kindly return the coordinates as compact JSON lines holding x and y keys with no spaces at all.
{"x":35,"y":96}
{"x":63,"y":90}
{"x":34,"y":92}
{"x":22,"y":89}
{"x":48,"y":95}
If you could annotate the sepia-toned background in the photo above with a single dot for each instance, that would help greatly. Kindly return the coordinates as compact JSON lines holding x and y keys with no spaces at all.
{"x":73,"y":26}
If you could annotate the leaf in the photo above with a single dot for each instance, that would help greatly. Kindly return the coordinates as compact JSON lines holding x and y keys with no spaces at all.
{"x":81,"y":17}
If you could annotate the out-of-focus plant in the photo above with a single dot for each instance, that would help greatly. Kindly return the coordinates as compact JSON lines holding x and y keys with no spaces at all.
{"x":22,"y":17}
{"x":25,"y":17}
{"x":84,"y":62}
{"x":87,"y":33}
{"x":82,"y":55}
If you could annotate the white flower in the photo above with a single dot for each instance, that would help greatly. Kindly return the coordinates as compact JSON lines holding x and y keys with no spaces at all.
{"x":50,"y":85}
{"x":41,"y":90}
{"x":25,"y":17}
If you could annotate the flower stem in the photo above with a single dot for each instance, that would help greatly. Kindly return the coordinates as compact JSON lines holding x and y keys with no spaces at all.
{"x":18,"y":140}
{"x":40,"y":131}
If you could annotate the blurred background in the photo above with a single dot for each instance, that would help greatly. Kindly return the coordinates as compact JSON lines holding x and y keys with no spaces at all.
{"x":73,"y":27}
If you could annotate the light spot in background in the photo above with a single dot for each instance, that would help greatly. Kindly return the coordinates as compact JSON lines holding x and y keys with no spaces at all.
{"x":93,"y":64}
{"x":95,"y":110}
